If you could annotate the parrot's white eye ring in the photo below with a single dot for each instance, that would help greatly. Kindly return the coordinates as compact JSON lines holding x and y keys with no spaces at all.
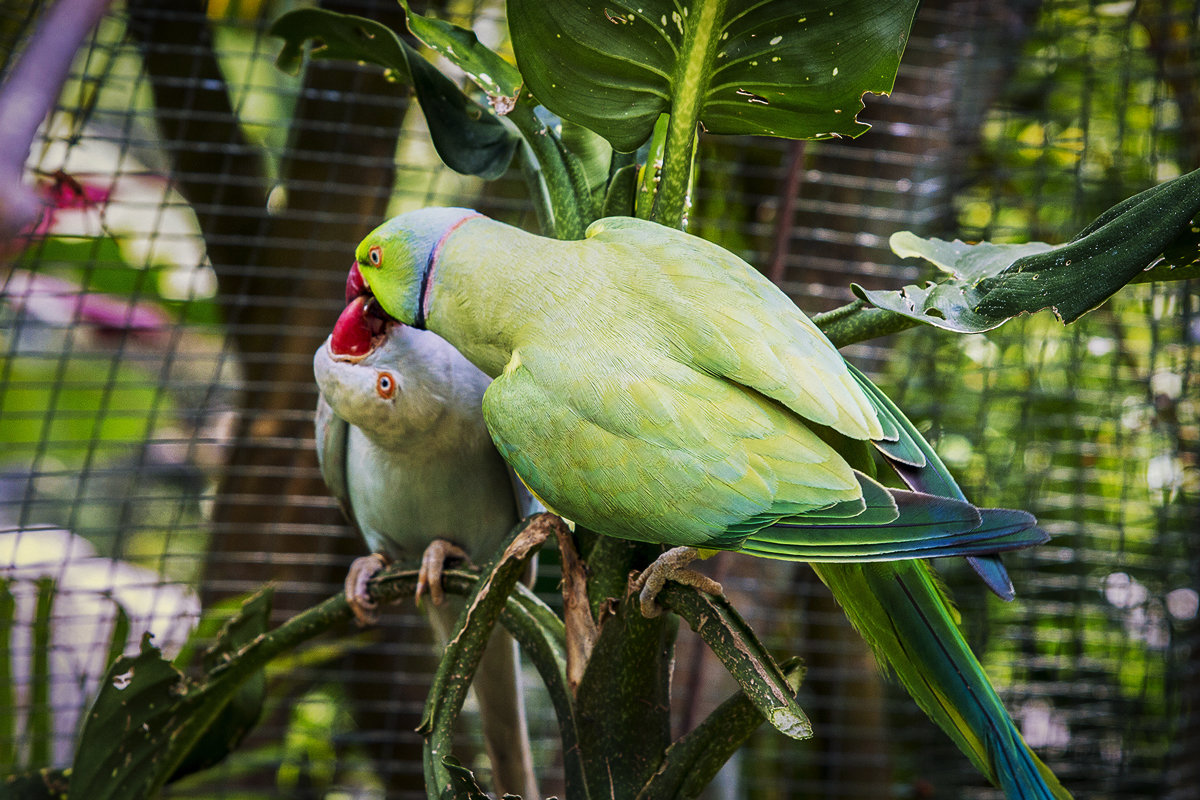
{"x":385,"y":385}
{"x":375,"y":255}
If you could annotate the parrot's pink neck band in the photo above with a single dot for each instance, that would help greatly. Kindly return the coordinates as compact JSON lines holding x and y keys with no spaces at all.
{"x":423,"y":298}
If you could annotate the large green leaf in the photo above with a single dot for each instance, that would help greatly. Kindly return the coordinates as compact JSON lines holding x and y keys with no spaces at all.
{"x":148,"y":717}
{"x":791,"y":69}
{"x":991,"y":283}
{"x":468,"y":137}
{"x":242,"y":711}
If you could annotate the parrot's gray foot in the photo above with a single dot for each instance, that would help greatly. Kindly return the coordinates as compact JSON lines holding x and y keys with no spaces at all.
{"x":361,"y":572}
{"x":433,"y":562}
{"x":671,"y":566}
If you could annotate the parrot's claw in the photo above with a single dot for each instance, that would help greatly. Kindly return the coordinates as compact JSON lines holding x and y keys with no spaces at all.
{"x":361,"y":572}
{"x":433,"y":562}
{"x":671,"y":566}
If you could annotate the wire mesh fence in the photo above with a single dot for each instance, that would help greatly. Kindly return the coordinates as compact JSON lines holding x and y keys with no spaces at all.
{"x":156,"y":391}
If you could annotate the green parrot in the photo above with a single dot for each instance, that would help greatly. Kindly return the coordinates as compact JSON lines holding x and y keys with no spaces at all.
{"x":650,"y":385}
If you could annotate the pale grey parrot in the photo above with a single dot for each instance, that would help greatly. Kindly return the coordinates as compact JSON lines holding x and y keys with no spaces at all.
{"x":402,"y":445}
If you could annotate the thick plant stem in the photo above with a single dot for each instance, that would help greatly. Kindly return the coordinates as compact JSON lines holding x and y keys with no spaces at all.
{"x":694,"y":759}
{"x":561,"y":185}
{"x":857,"y":322}
{"x":461,"y":658}
{"x":692,"y":76}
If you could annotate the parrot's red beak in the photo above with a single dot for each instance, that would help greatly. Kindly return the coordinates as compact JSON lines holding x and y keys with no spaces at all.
{"x":362,"y":325}
{"x":355,"y":285}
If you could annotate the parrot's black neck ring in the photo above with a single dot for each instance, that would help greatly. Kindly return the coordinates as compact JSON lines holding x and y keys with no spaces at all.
{"x":427,"y":273}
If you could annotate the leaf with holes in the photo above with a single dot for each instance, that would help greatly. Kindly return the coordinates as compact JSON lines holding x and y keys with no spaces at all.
{"x":467,"y":137}
{"x":777,"y":68}
{"x":462,"y":48}
{"x":148,"y":717}
{"x":242,"y":711}
{"x":991,"y":283}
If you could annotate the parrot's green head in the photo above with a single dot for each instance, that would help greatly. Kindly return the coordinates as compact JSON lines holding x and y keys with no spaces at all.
{"x":396,"y":261}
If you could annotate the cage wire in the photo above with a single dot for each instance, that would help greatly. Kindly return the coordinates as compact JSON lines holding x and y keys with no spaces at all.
{"x":156,"y":394}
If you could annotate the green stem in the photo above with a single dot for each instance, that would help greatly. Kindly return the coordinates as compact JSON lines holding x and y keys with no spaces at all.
{"x":561,"y":185}
{"x":694,"y":759}
{"x":466,"y":645}
{"x":542,"y":638}
{"x":651,"y":172}
{"x":858,"y":321}
{"x":694,"y":70}
{"x":739,"y":649}
{"x":543,"y":206}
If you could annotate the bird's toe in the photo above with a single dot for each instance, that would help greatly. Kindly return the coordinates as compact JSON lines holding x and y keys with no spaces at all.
{"x":433,"y":564}
{"x":357,"y":596}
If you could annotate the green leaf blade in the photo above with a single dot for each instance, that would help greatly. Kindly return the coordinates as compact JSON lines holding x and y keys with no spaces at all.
{"x":461,"y":47}
{"x":118,"y":751}
{"x":9,"y":744}
{"x":243,"y":710}
{"x":148,"y":718}
{"x":799,"y":71}
{"x":467,"y":137}
{"x":606,"y":68}
{"x":40,"y":730}
{"x":778,"y":68}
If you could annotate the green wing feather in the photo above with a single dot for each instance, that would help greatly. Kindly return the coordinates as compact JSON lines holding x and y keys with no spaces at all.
{"x":919,"y":466}
{"x":906,"y":539}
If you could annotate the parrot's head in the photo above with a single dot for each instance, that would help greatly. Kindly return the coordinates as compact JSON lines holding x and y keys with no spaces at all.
{"x":411,"y":381}
{"x":395,"y":262}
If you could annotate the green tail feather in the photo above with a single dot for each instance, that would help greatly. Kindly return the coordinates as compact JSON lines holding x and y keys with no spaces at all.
{"x":902,"y":613}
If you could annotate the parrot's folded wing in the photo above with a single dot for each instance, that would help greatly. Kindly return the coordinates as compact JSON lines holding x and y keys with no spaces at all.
{"x":1000,"y":529}
{"x":894,"y":524}
{"x":919,"y":466}
{"x":738,"y":325}
{"x":332,"y":432}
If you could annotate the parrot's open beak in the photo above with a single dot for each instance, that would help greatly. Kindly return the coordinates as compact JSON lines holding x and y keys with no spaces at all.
{"x":356,"y":285}
{"x":363,"y":324}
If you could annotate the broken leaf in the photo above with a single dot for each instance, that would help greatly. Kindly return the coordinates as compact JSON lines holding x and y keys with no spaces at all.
{"x":148,"y":717}
{"x":991,"y":283}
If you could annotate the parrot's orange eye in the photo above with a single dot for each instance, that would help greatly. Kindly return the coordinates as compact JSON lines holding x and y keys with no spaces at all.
{"x":385,"y":385}
{"x":375,"y":255}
